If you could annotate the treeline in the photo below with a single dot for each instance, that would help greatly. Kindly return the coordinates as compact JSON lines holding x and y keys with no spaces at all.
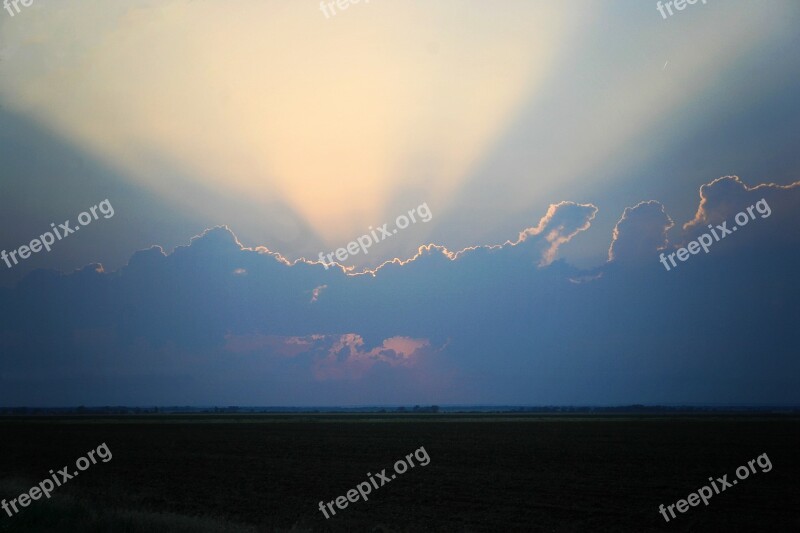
{"x":510,"y":409}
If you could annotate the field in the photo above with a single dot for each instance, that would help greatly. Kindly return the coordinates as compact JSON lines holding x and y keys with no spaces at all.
{"x":486,"y":472}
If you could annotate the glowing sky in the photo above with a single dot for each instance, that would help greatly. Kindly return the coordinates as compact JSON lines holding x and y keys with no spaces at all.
{"x":227,"y":110}
{"x":271,"y":99}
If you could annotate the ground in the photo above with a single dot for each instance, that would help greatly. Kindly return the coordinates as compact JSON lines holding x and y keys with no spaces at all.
{"x":486,"y":473}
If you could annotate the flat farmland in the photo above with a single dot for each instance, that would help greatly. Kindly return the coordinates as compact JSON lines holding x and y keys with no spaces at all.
{"x":486,"y":472}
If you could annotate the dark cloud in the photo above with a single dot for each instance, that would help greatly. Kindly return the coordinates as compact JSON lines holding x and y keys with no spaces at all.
{"x":215,"y":322}
{"x":640,"y":233}
{"x":725,"y":197}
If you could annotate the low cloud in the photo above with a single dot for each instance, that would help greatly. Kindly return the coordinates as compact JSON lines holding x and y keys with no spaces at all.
{"x":724,"y":197}
{"x":217,"y":322}
{"x":562,"y":222}
{"x":640,"y":233}
{"x":348,"y":358}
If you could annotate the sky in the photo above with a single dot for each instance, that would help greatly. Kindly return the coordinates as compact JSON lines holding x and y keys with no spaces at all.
{"x":522,"y":174}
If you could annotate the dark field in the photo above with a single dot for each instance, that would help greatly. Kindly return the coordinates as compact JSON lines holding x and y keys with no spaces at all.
{"x":486,"y":472}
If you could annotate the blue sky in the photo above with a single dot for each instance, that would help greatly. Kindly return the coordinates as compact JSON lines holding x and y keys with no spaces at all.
{"x":535,"y":125}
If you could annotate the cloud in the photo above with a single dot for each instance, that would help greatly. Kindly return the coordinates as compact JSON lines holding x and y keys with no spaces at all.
{"x":640,"y":232}
{"x":557,"y":227}
{"x":480,"y":325}
{"x":332,"y":357}
{"x":347,"y":358}
{"x":316,"y":292}
{"x":270,"y":344}
{"x":724,"y":197}
{"x":562,"y":222}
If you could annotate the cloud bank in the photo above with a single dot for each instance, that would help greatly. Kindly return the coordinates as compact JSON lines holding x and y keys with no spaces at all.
{"x":215,"y":322}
